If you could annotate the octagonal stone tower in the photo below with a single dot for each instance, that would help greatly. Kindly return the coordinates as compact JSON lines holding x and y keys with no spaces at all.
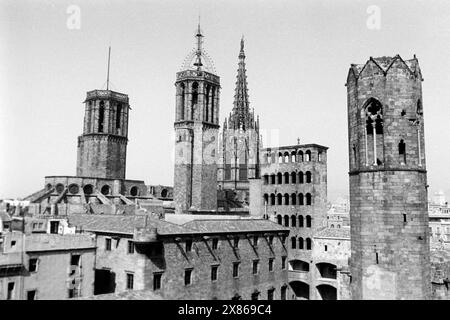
{"x":196,"y":133}
{"x":102,"y":148}
{"x":390,"y":255}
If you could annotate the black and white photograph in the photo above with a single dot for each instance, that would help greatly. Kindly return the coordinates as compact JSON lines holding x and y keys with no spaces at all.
{"x":195,"y":150}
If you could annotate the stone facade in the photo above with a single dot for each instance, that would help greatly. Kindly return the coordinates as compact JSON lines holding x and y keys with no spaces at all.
{"x":294,"y":194}
{"x":390,"y":256}
{"x":168,"y":252}
{"x":102,"y":148}
{"x":35,"y":265}
{"x":196,"y":134}
{"x":239,"y":141}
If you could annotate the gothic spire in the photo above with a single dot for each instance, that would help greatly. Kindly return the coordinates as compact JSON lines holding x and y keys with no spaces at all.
{"x":241,"y":116}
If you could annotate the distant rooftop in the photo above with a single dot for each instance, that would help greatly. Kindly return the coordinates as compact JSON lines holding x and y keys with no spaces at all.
{"x":296,"y":146}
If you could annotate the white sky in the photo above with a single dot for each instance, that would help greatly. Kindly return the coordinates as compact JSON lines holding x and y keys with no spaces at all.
{"x":298,"y":55}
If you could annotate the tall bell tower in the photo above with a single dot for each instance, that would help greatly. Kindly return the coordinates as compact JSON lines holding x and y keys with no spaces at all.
{"x":196,"y":133}
{"x":390,"y":249}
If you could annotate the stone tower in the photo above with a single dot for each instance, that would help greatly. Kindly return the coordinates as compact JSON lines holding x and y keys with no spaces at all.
{"x":102,"y":148}
{"x":196,"y":133}
{"x":390,"y":254}
{"x":240,"y":140}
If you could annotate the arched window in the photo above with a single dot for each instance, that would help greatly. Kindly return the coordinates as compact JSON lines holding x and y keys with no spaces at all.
{"x":293,"y":243}
{"x":101,"y":116}
{"x":273,"y":156}
{"x":293,"y":199}
{"x":286,"y":199}
{"x":319,"y":156}
{"x":308,"y":244}
{"x":419,"y":110}
{"x":280,"y":178}
{"x":286,"y":178}
{"x":286,"y":221}
{"x":272,"y":179}
{"x":300,"y":177}
{"x":308,"y":176}
{"x":374,"y":116}
{"x":279,"y":219}
{"x":300,"y":243}
{"x":118,"y":116}
{"x":279,"y":199}
{"x":266,"y":198}
{"x":105,"y":190}
{"x":182,"y":102}
{"x":300,"y":156}
{"x":300,"y":221}
{"x":272,"y":199}
{"x":300,"y":199}
{"x":286,"y":157}
{"x":266,"y":179}
{"x":293,"y":177}
{"x":280,"y":157}
{"x":332,"y":226}
{"x":293,"y":157}
{"x":293,"y":221}
{"x":402,"y":151}
{"x":308,"y":155}
{"x":308,"y":221}
{"x":194,"y":99}
{"x":308,"y":199}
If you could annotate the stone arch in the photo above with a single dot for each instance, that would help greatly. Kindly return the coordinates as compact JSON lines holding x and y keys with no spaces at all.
{"x":293,"y":221}
{"x":308,"y":221}
{"x":279,"y":178}
{"x":286,"y":177}
{"x":300,"y":177}
{"x":327,"y":270}
{"x":308,"y":155}
{"x":308,"y":244}
{"x":299,"y":265}
{"x":279,"y":219}
{"x":300,"y":221}
{"x":293,"y":243}
{"x":272,"y":178}
{"x":293,"y":157}
{"x":279,"y":199}
{"x":286,"y":220}
{"x":327,"y":292}
{"x":308,"y":176}
{"x":164,"y":193}
{"x":300,"y":199}
{"x":266,"y":179}
{"x":300,"y":290}
{"x":280,"y":157}
{"x":293,"y":177}
{"x":286,"y":157}
{"x":286,"y":199}
{"x":300,"y":156}
{"x":272,"y":199}
{"x":301,"y":244}
{"x":266,"y":199}
{"x":308,"y":199}
{"x":293,"y":199}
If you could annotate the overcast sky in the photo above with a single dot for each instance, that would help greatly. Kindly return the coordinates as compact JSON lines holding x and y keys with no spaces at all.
{"x":298,"y":54}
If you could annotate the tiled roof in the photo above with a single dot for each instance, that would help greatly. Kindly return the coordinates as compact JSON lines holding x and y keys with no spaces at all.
{"x":233,"y":225}
{"x":181,"y":219}
{"x":123,"y":224}
{"x":126,"y":295}
{"x":126,"y":224}
{"x":341,"y":233}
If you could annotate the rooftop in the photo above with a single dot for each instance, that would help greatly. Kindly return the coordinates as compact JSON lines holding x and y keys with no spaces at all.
{"x":233,"y":225}
{"x":296,"y":146}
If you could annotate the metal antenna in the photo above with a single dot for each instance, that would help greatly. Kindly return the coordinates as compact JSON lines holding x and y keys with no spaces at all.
{"x":107,"y":77}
